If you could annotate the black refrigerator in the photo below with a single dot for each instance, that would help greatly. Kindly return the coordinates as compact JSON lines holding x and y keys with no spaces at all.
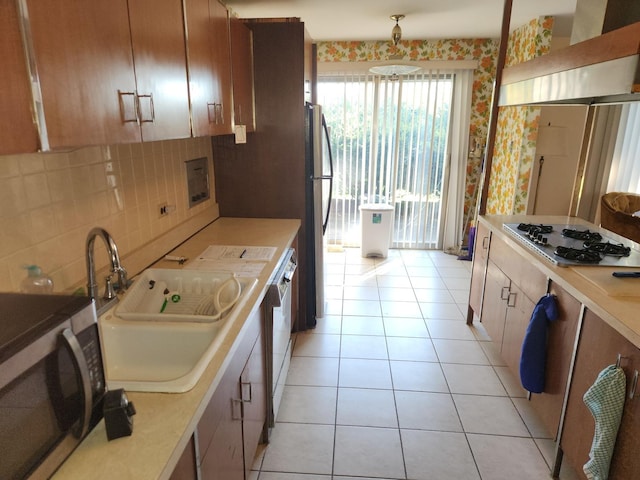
{"x":318,"y":196}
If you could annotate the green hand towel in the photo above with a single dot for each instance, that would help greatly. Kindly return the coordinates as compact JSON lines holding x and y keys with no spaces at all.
{"x":605,"y":401}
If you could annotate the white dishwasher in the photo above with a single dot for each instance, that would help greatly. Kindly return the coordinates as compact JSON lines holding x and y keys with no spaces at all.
{"x":278,"y":333}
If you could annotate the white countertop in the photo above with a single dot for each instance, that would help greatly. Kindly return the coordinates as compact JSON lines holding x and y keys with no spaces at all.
{"x":164,"y":421}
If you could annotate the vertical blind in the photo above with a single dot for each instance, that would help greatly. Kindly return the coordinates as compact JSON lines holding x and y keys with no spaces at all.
{"x":625,"y":174}
{"x":390,"y":139}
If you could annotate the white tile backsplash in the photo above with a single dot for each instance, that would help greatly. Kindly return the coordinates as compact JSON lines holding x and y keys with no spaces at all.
{"x":50,"y":201}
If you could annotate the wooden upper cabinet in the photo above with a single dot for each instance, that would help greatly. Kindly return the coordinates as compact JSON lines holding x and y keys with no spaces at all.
{"x":242,"y":70}
{"x":92,"y":91}
{"x":157,"y":35}
{"x":221,"y":103}
{"x":209,"y":67}
{"x":83,"y":60}
{"x":18,"y":133}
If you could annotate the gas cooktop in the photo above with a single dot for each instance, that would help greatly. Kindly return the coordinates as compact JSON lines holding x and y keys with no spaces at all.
{"x":574,"y":245}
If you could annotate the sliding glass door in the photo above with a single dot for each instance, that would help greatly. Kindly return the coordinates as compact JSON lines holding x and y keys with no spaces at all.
{"x":391,"y":142}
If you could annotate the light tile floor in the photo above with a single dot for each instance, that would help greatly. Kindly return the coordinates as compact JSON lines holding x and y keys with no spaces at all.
{"x":392,"y":384}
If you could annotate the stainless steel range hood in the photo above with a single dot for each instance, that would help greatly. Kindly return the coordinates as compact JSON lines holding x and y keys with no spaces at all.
{"x":604,"y":69}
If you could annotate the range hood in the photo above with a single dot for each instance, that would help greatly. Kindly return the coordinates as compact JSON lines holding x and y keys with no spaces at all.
{"x":603,"y":69}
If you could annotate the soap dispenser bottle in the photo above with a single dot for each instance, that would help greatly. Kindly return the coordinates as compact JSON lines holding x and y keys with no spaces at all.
{"x":36,"y":281}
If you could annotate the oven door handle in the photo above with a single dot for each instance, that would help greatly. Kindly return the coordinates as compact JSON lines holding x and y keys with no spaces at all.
{"x":80,"y":364}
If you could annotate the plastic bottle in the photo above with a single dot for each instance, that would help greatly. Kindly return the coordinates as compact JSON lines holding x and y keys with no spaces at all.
{"x":36,"y":281}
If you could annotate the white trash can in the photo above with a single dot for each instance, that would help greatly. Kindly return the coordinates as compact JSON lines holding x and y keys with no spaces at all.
{"x":376,"y":220}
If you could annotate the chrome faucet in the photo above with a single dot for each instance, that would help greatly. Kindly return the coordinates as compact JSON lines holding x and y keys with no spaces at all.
{"x":116,"y":267}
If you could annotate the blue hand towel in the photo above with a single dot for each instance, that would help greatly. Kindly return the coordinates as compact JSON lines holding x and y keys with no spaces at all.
{"x":605,"y":401}
{"x":534,"y":346}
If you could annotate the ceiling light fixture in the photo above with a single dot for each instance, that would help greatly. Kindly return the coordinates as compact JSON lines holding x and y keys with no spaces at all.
{"x":396,"y":33}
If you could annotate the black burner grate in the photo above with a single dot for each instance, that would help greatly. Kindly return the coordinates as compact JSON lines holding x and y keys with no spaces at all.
{"x":581,"y":234}
{"x":578,"y":255}
{"x":608,"y":248}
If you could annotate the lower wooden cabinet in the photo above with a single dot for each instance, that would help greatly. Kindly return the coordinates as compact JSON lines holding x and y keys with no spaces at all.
{"x":496,"y":292}
{"x":599,"y":346}
{"x":187,"y":466}
{"x":231,"y":425}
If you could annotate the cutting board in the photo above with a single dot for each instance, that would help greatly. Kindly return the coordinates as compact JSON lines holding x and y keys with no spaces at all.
{"x":613,"y":286}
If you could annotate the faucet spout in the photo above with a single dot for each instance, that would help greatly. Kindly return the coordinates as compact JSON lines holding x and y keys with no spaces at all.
{"x":116,"y":267}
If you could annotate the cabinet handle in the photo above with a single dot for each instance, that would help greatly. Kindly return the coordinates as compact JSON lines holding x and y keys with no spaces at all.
{"x":242,"y":386}
{"x":128,"y":106}
{"x":149,"y":110}
{"x":504,"y":293}
{"x":215,"y":112}
{"x":236,"y":405}
{"x":511,"y":301}
{"x":485,"y":242}
{"x":634,"y":384}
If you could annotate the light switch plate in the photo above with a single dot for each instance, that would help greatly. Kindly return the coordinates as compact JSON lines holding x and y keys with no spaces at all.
{"x":241,"y":133}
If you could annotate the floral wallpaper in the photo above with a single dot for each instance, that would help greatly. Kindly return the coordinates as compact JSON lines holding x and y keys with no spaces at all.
{"x":517,"y":128}
{"x":485,"y":51}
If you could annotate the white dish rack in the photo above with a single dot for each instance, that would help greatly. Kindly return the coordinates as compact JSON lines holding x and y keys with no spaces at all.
{"x":184,"y":295}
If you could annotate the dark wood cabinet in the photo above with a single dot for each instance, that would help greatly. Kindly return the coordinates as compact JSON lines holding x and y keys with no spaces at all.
{"x":109,"y":71}
{"x":207,"y":33}
{"x":18,"y":133}
{"x":599,"y":346}
{"x":560,"y":345}
{"x":265,"y":178}
{"x":242,"y":70}
{"x":232,"y":423}
{"x":186,"y":468}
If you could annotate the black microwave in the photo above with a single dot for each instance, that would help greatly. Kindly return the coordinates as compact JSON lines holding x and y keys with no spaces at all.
{"x":51,"y":381}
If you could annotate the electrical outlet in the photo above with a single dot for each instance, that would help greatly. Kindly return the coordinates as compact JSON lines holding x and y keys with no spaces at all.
{"x":163,"y":208}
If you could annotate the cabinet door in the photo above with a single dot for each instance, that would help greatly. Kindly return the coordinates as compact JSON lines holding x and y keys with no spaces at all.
{"x":254,"y":401}
{"x":242,"y":70}
{"x":222,"y":458}
{"x":480,"y":257}
{"x":17,"y":131}
{"x":186,"y":468}
{"x":599,"y":347}
{"x":560,"y":344}
{"x":496,"y":292}
{"x":157,"y":36}
{"x":221,"y":102}
{"x":84,"y":63}
{"x":518,"y":314}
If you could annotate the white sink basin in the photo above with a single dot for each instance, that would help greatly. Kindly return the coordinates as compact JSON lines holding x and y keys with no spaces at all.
{"x":163,"y":352}
{"x":157,"y":357}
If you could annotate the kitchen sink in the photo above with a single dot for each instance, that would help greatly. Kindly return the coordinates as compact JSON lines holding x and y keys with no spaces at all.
{"x":163,"y":352}
{"x":157,"y":357}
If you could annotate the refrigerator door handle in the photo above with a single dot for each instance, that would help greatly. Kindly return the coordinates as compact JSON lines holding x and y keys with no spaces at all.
{"x":325,"y":129}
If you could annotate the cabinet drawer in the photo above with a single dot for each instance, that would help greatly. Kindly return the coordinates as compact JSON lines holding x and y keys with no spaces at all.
{"x":531,"y":281}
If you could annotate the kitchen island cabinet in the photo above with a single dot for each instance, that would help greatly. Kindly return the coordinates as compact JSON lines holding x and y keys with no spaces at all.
{"x":18,"y":133}
{"x":481,"y":257}
{"x":165,"y":423}
{"x":597,"y":320}
{"x":599,"y":347}
{"x":108,"y":71}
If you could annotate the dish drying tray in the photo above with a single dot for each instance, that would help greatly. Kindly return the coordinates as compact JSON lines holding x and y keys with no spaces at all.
{"x":183,"y":295}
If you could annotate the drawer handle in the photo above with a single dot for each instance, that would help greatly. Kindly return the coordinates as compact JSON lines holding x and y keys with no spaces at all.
{"x":236,"y":403}
{"x":151,"y":114}
{"x":504,"y":293}
{"x":511,"y":301}
{"x":128,"y":106}
{"x":243,"y":385}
